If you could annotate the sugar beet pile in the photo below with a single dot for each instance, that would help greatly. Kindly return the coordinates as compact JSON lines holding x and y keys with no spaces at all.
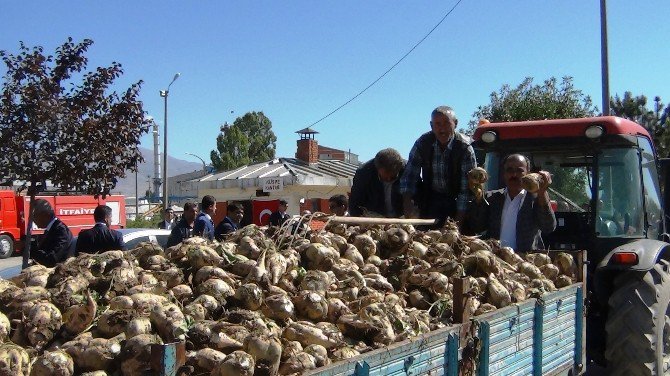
{"x":258,"y":304}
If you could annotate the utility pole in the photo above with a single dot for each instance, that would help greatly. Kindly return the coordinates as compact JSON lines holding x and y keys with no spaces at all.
{"x":603,"y":58}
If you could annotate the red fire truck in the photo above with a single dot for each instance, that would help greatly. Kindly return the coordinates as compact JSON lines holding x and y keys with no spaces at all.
{"x":76,"y":211}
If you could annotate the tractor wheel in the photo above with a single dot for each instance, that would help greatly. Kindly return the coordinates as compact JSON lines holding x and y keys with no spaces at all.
{"x":6,"y":246}
{"x":638,"y":323}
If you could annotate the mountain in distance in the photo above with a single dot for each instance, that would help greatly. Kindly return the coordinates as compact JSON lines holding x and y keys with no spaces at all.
{"x":145,"y":175}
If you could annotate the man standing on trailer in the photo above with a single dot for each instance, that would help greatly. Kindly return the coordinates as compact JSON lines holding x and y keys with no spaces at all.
{"x":376,"y":187}
{"x":439,"y":161}
{"x":517,"y":217}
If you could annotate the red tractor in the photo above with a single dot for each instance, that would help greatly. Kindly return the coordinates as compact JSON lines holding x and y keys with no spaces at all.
{"x":608,"y":201}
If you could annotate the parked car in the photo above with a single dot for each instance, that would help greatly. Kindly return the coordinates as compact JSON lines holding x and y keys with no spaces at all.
{"x":134,"y":236}
{"x":131,"y":236}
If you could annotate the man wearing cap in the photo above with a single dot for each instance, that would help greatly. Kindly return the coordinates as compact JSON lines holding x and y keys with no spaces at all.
{"x":435,"y":177}
{"x":168,"y":219}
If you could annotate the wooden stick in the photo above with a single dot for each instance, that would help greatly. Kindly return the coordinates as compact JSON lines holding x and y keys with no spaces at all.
{"x":381,"y":221}
{"x":461,"y":287}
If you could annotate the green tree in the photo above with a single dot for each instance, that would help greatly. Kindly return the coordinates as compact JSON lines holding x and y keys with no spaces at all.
{"x":527,"y":101}
{"x":656,"y":121}
{"x":552,"y":100}
{"x":248,"y":140}
{"x":143,"y":222}
{"x":61,"y":123}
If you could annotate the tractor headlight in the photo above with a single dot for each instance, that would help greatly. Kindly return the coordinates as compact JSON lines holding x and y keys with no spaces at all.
{"x":489,"y":137}
{"x":594,"y":131}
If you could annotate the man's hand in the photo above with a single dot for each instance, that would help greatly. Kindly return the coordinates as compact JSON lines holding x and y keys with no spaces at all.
{"x":476,"y":179}
{"x":545,"y":183}
{"x":542,"y":195}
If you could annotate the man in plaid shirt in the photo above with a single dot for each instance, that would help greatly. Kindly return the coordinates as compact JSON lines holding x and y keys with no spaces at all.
{"x":435,"y":178}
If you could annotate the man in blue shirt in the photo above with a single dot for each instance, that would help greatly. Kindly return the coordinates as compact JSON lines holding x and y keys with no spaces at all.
{"x":204,"y":225}
{"x":435,"y":177}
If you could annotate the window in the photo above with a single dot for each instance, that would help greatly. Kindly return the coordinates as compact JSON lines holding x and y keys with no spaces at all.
{"x":572,"y":179}
{"x":620,"y":211}
{"x":652,"y":201}
{"x":491,"y":164}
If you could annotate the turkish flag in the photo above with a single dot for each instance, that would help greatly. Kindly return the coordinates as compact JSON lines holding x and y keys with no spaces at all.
{"x":262,"y":211}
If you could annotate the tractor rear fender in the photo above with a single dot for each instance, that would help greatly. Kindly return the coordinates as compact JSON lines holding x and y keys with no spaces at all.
{"x":639,"y":255}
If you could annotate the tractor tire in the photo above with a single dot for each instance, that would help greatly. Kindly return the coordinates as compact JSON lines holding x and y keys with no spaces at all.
{"x":6,"y":246}
{"x":638,"y":325}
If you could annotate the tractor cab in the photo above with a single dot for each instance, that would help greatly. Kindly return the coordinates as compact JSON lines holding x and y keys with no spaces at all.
{"x":605,"y":190}
{"x":607,"y":200}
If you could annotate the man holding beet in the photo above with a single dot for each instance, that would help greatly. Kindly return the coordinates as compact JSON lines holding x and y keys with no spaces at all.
{"x":515,"y":215}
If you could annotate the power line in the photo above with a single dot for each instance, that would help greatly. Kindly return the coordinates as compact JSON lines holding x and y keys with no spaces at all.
{"x":391,"y":68}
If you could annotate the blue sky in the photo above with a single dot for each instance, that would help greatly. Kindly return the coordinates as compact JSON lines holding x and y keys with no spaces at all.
{"x":298,"y":60}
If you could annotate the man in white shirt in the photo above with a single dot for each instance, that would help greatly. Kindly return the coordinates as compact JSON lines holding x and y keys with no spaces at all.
{"x":516,"y":217}
{"x":168,"y":219}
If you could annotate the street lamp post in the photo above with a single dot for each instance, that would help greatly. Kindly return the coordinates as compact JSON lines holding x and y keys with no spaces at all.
{"x":164,"y":94}
{"x":204,"y":166}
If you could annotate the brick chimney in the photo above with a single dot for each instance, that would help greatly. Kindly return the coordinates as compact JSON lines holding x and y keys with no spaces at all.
{"x":308,"y":147}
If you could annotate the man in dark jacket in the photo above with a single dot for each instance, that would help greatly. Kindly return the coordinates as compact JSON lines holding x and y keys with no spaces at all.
{"x":376,"y":186}
{"x":168,"y":219}
{"x":100,"y":238}
{"x":232,"y":221}
{"x":517,"y":217}
{"x":184,"y":228}
{"x":439,"y":161}
{"x":204,"y":224}
{"x":53,"y":247}
{"x":277,"y":218}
